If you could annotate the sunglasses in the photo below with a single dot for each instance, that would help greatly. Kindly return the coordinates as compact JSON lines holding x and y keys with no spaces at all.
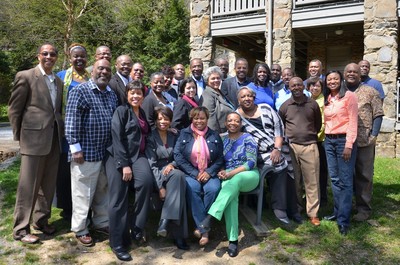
{"x":138,"y":70}
{"x":45,"y":54}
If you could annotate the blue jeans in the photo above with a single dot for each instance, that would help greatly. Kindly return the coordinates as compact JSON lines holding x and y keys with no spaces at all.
{"x":201,"y":196}
{"x":341,"y":173}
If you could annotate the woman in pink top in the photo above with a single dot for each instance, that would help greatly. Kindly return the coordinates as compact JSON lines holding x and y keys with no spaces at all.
{"x":341,"y":115}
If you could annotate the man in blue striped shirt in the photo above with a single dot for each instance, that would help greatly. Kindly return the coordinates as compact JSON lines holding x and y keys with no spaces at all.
{"x":88,"y":117}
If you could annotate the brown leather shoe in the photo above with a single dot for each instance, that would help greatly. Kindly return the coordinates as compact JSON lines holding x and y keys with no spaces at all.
{"x":46,"y":229}
{"x":29,"y":239}
{"x":85,"y":240}
{"x":315,"y":221}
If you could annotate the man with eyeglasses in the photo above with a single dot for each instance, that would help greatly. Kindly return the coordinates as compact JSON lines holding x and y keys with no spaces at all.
{"x":102,"y":52}
{"x":35,"y":116}
{"x":137,"y":73}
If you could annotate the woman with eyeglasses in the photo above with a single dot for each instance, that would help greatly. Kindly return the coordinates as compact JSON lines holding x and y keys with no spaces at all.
{"x":73,"y":76}
{"x":186,"y":102}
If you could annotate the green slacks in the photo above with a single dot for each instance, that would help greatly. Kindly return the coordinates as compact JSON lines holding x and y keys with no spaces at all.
{"x":227,"y":202}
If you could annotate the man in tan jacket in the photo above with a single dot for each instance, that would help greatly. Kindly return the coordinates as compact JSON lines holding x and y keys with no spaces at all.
{"x":35,"y":116}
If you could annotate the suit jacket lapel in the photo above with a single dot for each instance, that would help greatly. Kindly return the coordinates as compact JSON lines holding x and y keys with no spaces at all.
{"x":42,"y":86}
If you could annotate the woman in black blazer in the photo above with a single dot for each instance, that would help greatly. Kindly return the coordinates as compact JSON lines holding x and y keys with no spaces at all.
{"x":170,"y":180}
{"x":127,"y":169}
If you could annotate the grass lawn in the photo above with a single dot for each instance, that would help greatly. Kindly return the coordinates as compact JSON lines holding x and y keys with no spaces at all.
{"x":3,"y":113}
{"x":376,"y":242}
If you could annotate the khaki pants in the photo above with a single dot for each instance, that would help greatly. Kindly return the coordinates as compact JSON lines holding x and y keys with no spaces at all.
{"x":89,"y":190}
{"x":306,"y":169}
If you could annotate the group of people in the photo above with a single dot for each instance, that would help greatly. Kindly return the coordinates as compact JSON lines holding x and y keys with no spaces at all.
{"x":197,"y":142}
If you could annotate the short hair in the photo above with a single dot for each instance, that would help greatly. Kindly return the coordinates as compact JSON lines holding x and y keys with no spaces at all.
{"x":219,"y":59}
{"x":101,"y":47}
{"x":255,"y":70}
{"x":135,"y":85}
{"x":195,"y":111}
{"x":74,"y":46}
{"x":183,"y":83}
{"x":165,"y":111}
{"x":252,"y":92}
{"x":212,"y":70}
{"x":167,"y":70}
{"x":290,"y":69}
{"x":196,"y":59}
{"x":47,"y":43}
{"x":153,"y":75}
{"x":313,"y":81}
{"x":233,"y":112}
{"x":342,"y":89}
{"x":316,"y":61}
{"x":241,"y":59}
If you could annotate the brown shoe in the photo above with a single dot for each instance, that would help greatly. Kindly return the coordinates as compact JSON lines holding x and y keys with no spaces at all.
{"x":85,"y":240}
{"x":315,"y":221}
{"x":46,"y":229}
{"x":29,"y":239}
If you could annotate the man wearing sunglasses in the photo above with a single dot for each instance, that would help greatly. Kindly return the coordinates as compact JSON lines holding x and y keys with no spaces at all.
{"x":35,"y":116}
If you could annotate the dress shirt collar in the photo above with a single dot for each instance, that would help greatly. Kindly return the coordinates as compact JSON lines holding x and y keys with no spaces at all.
{"x":50,"y":76}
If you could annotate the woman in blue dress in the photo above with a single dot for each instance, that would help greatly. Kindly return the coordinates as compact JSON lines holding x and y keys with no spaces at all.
{"x":260,"y":85}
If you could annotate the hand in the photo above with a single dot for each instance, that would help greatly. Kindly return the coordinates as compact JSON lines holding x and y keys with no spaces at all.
{"x":127,"y":174}
{"x":346,"y":154}
{"x":222,"y":174}
{"x":162,"y":193}
{"x":372,"y":139}
{"x":168,"y":169}
{"x":275,"y":156}
{"x":78,"y":157}
{"x":203,"y":177}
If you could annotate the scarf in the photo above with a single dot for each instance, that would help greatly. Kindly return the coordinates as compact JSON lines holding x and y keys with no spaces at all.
{"x":67,"y":82}
{"x":200,"y":153}
{"x":190,"y":101}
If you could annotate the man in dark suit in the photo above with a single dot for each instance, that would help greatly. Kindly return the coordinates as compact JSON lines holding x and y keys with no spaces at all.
{"x":231,"y":85}
{"x":121,"y":78}
{"x":35,"y":116}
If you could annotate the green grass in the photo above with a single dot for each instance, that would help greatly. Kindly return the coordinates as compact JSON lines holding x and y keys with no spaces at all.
{"x":294,"y":244}
{"x":3,"y":112}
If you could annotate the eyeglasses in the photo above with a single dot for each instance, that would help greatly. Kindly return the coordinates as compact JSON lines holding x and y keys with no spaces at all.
{"x":104,"y":54}
{"x":138,"y":70}
{"x":45,"y":54}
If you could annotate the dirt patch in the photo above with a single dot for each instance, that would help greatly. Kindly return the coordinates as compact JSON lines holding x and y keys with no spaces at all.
{"x":4,"y":155}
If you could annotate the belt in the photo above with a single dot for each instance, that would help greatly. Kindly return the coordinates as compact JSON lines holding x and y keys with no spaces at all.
{"x":335,"y":136}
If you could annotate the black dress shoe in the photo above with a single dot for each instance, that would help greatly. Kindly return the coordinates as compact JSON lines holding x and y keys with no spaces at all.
{"x":162,"y":228}
{"x":330,"y":217}
{"x":233,"y":250}
{"x":121,"y":253}
{"x":297,"y":218}
{"x":181,"y":244}
{"x":206,"y":223}
{"x":139,"y":235}
{"x":343,"y":230}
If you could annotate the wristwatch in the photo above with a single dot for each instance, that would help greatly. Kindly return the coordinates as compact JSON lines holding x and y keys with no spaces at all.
{"x":278,"y":148}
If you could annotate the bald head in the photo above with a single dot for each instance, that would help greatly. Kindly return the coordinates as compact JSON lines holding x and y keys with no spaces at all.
{"x":123,"y":65}
{"x":101,"y":73}
{"x":103,"y":52}
{"x":365,"y":66}
{"x":352,"y":74}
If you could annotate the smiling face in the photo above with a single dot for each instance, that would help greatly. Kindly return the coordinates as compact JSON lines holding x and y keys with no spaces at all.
{"x":316,"y":89}
{"x":190,"y":89}
{"x":241,"y":69}
{"x":333,"y":82}
{"x":101,"y":73}
{"x":233,"y":123}
{"x":352,"y":74}
{"x":47,"y":57}
{"x":246,"y":99}
{"x":124,"y":65}
{"x":163,"y":122}
{"x":314,"y":68}
{"x":214,"y":81}
{"x":135,"y":98}
{"x":158,"y":84}
{"x":78,"y":59}
{"x":262,"y":74}
{"x":196,"y":67}
{"x":103,"y":52}
{"x":137,"y":72}
{"x":287,"y":74}
{"x":200,"y":121}
{"x":296,"y":87}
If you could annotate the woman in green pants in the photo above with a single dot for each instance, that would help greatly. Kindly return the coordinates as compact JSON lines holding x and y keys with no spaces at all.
{"x":240,"y":175}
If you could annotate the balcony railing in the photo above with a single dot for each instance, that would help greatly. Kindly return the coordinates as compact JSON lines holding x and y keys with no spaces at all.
{"x":235,"y":7}
{"x":309,"y":2}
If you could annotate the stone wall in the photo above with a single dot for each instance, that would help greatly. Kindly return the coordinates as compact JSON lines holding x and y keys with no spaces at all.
{"x":283,"y":46}
{"x":380,"y":49}
{"x":200,"y":32}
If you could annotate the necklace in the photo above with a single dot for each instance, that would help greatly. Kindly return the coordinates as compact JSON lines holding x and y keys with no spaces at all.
{"x":80,"y":77}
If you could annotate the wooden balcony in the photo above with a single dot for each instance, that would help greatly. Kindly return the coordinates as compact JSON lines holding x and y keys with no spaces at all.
{"x":226,"y":8}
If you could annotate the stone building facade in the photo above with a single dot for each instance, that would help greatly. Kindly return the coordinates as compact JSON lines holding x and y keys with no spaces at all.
{"x":374,"y":38}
